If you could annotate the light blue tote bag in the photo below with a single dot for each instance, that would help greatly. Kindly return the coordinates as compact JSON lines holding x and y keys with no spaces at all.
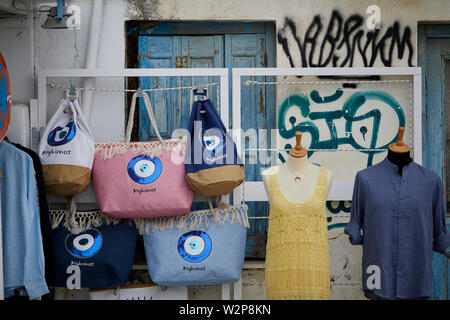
{"x":204,"y":247}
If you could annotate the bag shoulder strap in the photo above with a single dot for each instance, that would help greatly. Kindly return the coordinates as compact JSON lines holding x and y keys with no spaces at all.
{"x":194,"y":94}
{"x":79,"y":118}
{"x":151,"y":115}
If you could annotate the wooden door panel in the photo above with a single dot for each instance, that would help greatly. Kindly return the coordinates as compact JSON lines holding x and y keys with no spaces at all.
{"x":434,"y":51}
{"x":257,"y":112}
{"x":156,"y":52}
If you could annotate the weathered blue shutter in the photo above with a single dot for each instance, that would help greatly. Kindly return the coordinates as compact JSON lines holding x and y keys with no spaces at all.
{"x":258,"y":112}
{"x":172,"y":107}
{"x":157,"y":52}
{"x":201,"y":52}
{"x":433,"y":55}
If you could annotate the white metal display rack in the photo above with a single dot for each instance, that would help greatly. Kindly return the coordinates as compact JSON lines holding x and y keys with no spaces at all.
{"x":339,"y":190}
{"x":254,"y":190}
{"x":39,"y":118}
{"x":38,"y":113}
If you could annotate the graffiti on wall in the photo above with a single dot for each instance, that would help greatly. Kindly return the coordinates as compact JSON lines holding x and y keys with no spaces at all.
{"x":334,"y":119}
{"x":338,"y":42}
{"x":355,"y":122}
{"x":337,"y":216}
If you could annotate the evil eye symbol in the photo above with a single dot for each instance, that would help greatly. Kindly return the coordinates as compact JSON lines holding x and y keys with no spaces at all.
{"x":62,"y":135}
{"x":144,"y":169}
{"x":194,"y":246}
{"x":85,"y":244}
{"x":213,"y":140}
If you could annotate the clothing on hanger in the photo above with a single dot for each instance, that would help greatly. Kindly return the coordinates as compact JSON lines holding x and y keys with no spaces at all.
{"x":44,"y":214}
{"x":23,"y":256}
{"x":402,"y":218}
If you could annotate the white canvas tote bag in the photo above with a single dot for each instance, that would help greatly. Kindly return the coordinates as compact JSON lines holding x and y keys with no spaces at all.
{"x":67,"y":151}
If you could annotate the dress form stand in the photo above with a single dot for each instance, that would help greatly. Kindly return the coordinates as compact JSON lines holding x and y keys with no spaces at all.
{"x":297,"y":262}
{"x":297,"y":176}
{"x":399,"y":152}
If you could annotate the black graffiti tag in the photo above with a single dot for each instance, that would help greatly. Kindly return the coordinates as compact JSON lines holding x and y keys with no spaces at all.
{"x":343,"y":40}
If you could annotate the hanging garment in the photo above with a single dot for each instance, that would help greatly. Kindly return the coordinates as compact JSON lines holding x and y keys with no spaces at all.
{"x":44,"y":217}
{"x":403,"y":221}
{"x":297,"y":254}
{"x":23,"y":255}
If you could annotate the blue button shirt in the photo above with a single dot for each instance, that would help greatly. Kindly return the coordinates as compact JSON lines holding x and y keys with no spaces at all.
{"x":402,"y":220}
{"x":23,"y":255}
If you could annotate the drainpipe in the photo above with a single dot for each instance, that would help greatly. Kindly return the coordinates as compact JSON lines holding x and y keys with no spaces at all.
{"x":91,"y":53}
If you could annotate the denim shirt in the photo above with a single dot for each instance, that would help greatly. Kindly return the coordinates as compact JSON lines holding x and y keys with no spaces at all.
{"x":23,"y":255}
{"x":402,"y":220}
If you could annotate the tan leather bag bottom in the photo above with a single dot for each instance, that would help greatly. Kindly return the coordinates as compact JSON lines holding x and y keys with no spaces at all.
{"x":65,"y":180}
{"x":216,"y":181}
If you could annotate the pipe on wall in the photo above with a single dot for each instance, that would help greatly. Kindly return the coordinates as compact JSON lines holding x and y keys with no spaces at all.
{"x":95,"y":29}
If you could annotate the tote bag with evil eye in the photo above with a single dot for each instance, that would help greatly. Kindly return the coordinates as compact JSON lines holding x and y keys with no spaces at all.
{"x":204,"y":247}
{"x":213,"y":167}
{"x":97,"y":252}
{"x":66,"y":151}
{"x":141,"y":179}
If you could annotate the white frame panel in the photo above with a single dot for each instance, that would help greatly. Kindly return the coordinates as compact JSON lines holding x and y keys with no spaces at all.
{"x":39,"y":117}
{"x":41,"y":112}
{"x":131,"y":72}
{"x":254,"y":191}
{"x":339,"y":190}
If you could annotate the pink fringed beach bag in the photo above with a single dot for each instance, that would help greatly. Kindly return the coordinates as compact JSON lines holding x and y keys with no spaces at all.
{"x":141,"y":179}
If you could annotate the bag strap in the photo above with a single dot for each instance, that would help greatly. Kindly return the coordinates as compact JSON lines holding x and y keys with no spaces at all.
{"x":151,"y":115}
{"x":211,"y":207}
{"x":220,"y":204}
{"x":71,"y":208}
{"x":80,"y":120}
{"x":73,"y":110}
{"x":194,"y":97}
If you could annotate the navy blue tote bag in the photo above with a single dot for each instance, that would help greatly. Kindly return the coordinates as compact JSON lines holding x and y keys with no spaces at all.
{"x":99,"y":256}
{"x":213,"y":167}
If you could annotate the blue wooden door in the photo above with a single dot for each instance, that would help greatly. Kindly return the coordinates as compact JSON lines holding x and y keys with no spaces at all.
{"x":211,"y":45}
{"x":434,"y":57}
{"x":171,"y":108}
{"x":258,"y":112}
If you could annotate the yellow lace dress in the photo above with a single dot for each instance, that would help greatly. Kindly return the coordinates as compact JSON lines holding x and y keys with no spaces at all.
{"x":297,"y":253}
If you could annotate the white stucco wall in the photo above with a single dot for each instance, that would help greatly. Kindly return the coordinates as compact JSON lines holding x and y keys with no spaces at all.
{"x":15,"y":46}
{"x":58,"y":49}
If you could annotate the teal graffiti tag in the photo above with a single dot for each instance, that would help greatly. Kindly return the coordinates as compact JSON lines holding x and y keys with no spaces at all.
{"x":315,"y":96}
{"x":348,"y":113}
{"x":341,"y":207}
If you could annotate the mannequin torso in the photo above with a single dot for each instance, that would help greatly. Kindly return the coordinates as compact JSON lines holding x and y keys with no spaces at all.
{"x":297,"y":252}
{"x":297,"y":178}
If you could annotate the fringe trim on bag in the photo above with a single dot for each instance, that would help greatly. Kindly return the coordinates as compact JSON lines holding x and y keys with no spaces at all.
{"x":151,"y":148}
{"x":195,"y":219}
{"x":80,"y":220}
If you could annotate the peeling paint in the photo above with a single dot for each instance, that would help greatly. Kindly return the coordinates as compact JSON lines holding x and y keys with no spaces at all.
{"x":261,"y":101}
{"x":143,"y":9}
